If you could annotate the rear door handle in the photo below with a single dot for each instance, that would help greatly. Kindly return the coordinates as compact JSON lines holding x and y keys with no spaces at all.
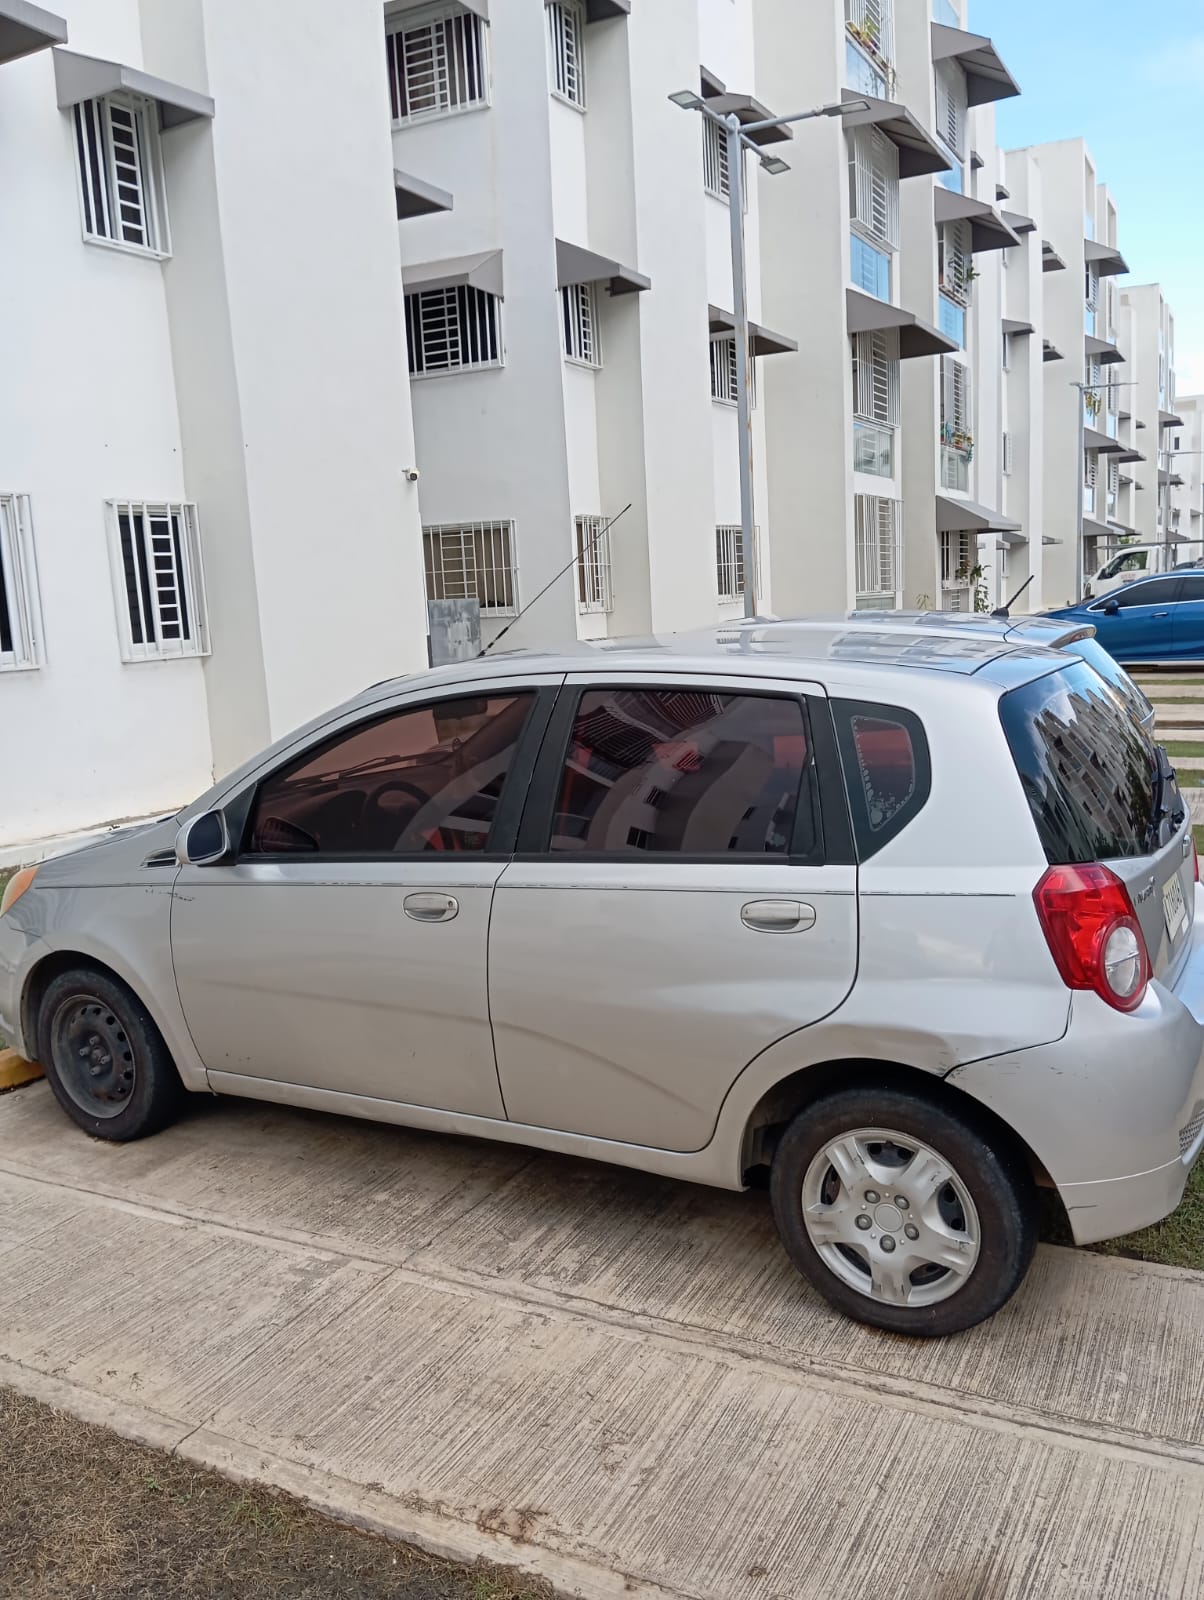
{"x":777,"y":916}
{"x":430,"y":907}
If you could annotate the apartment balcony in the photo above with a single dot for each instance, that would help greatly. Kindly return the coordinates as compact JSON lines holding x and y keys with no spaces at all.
{"x":870,"y":47}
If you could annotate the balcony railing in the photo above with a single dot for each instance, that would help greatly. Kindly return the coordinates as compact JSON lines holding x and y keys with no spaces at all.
{"x":871,"y":24}
{"x":873,"y":449}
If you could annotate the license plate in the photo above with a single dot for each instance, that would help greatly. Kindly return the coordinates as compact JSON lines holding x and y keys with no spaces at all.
{"x":1174,"y":907}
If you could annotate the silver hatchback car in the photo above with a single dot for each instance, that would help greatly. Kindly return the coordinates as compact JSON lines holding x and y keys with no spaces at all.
{"x":907,"y":924}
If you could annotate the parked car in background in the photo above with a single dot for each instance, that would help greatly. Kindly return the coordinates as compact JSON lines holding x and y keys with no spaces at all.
{"x":907,"y":922}
{"x":1156,"y":619}
{"x":1133,"y":562}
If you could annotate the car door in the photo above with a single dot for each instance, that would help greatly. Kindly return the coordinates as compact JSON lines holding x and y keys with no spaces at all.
{"x":680,"y":900}
{"x":1187,"y":616}
{"x":1134,"y":623}
{"x":344,"y":947}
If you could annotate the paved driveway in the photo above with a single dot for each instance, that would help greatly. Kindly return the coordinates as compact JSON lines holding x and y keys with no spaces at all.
{"x":614,"y":1380}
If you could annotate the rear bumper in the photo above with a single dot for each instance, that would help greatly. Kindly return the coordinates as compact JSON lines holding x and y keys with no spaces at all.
{"x":1114,"y":1110}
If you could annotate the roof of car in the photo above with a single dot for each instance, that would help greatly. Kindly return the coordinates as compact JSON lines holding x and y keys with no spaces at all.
{"x":1049,"y":631}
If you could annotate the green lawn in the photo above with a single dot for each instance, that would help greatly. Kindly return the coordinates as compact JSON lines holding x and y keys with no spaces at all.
{"x":1177,"y":1242}
{"x":1185,"y":750}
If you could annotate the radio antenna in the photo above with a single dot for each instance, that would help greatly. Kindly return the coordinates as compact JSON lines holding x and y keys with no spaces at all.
{"x":572,"y":562}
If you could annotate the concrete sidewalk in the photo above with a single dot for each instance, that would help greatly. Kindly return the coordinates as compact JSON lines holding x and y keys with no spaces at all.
{"x":612,"y":1380}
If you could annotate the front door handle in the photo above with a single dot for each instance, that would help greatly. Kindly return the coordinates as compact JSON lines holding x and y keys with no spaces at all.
{"x":430,"y":907}
{"x":1158,"y":614}
{"x":777,"y":916}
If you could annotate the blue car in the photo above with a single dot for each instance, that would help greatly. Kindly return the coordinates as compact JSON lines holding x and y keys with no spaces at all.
{"x":1154,"y":619}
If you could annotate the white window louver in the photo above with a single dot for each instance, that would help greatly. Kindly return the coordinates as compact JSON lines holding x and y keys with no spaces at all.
{"x":956,"y":419}
{"x":876,"y":377}
{"x":20,"y":612}
{"x":1091,"y":289}
{"x":579,"y":323}
{"x":155,"y":553}
{"x":1090,"y":466}
{"x":951,"y":107}
{"x":452,"y":329}
{"x":954,"y":244}
{"x":715,"y":176}
{"x":566,"y":47}
{"x":120,"y":164}
{"x":593,"y":565}
{"x":877,"y":530}
{"x":874,"y":185}
{"x":724,"y":385}
{"x":472,"y":561}
{"x":437,"y":63}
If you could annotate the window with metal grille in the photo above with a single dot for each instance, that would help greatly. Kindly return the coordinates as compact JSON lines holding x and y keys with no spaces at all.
{"x":593,"y":564}
{"x":1090,"y":469}
{"x":1008,"y":452}
{"x":729,"y":560}
{"x":957,"y":437}
{"x":155,"y":554}
{"x":20,"y":614}
{"x":579,"y":323}
{"x":951,"y":107}
{"x":874,"y":186}
{"x":715,"y":177}
{"x":724,"y":386}
{"x":451,"y":329}
{"x":876,"y":377}
{"x":437,"y":62}
{"x":1091,"y":288}
{"x":472,"y":561}
{"x":954,"y":261}
{"x":120,"y":166}
{"x":566,"y":46}
{"x":871,"y":23}
{"x":877,"y":526}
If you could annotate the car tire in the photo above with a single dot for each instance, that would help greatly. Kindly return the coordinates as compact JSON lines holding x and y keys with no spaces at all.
{"x":834,"y":1188}
{"x":104,"y":1058}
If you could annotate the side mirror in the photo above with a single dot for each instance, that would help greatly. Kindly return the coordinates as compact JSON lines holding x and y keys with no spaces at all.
{"x":203,"y":842}
{"x":1111,"y":609}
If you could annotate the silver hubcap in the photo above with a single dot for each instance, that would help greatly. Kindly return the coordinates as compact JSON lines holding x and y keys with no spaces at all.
{"x":890,"y":1217}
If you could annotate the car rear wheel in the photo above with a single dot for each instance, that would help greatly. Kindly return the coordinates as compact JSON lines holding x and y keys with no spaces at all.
{"x":104,"y":1058}
{"x":901,"y":1213}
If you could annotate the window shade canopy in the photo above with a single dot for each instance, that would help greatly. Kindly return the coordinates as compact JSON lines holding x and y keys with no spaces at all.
{"x":80,"y":78}
{"x":482,"y":271}
{"x":762,"y":341}
{"x":25,"y":28}
{"x":418,"y":198}
{"x":918,"y":151}
{"x":988,"y":231}
{"x":575,"y":264}
{"x":916,"y":338}
{"x":987,"y":78}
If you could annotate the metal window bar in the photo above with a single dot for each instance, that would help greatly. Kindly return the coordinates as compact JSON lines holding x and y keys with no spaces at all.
{"x":876,"y":377}
{"x":1008,"y":452}
{"x":872,"y":23}
{"x":874,"y":185}
{"x":715,"y":176}
{"x":954,"y":260}
{"x":437,"y":66}
{"x":579,"y":323}
{"x":20,"y":615}
{"x":951,"y":107}
{"x":121,"y":171}
{"x":472,"y":561}
{"x":160,"y":580}
{"x":566,"y":34}
{"x":877,"y":529}
{"x":594,"y":592}
{"x":724,"y":384}
{"x":730,"y":564}
{"x":452,"y":328}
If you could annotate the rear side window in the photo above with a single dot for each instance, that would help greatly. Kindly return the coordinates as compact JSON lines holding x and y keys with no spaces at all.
{"x":887,"y":770}
{"x":686,"y":772}
{"x":1087,"y":768}
{"x":1094,"y":654}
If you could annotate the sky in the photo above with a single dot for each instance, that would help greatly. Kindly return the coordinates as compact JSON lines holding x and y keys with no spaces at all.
{"x":1128,"y":77}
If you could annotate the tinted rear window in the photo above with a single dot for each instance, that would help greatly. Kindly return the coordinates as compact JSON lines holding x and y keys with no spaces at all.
{"x":1094,"y":654}
{"x":1086,"y":766}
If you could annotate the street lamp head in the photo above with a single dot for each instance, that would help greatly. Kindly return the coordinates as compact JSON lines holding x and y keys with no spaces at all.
{"x":843,"y":108}
{"x":774,"y":165}
{"x":686,"y":99}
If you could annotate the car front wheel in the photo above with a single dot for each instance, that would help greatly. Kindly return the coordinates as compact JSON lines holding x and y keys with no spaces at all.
{"x":901,"y":1213}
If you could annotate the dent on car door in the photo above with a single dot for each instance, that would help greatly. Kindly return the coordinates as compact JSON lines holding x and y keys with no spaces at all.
{"x":672,"y":910}
{"x":344,"y":948}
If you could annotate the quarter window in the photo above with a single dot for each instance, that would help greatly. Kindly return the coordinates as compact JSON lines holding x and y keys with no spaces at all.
{"x":686,"y":772}
{"x":121,"y":172}
{"x":418,"y":781}
{"x":887,"y":774}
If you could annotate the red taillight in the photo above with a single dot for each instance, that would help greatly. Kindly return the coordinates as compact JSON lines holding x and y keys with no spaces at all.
{"x":1093,"y":936}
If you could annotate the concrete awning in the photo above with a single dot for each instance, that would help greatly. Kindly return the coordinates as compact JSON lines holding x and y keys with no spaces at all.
{"x":976,"y":161}
{"x":1051,"y":261}
{"x":1045,"y":539}
{"x":1093,"y":439}
{"x":987,"y":230}
{"x":987,"y":78}
{"x":918,"y":151}
{"x":916,"y":338}
{"x":1011,"y":536}
{"x":80,"y":78}
{"x":1018,"y":222}
{"x":1102,"y":351}
{"x":1129,"y":455}
{"x":416,"y":197}
{"x":1050,"y":352}
{"x":1097,"y":530}
{"x":1001,"y":193}
{"x":1168,"y":419}
{"x":482,"y":271}
{"x":601,"y":10}
{"x":1105,"y":258}
{"x":575,"y":264}
{"x":479,"y":8}
{"x":1015,"y":329}
{"x":1170,"y":476}
{"x":761,"y":341}
{"x":25,"y":28}
{"x":749,"y":110}
{"x":967,"y":516}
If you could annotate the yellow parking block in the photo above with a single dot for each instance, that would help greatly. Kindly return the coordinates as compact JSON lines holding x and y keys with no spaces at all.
{"x":15,"y":1070}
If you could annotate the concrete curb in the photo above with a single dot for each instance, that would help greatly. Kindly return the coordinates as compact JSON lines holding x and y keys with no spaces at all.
{"x":15,"y":1070}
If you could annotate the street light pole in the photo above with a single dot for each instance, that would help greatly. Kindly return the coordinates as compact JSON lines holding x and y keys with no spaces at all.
{"x":739,"y":136}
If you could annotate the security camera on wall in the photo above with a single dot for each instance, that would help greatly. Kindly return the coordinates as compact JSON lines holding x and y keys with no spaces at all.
{"x":412,"y":474}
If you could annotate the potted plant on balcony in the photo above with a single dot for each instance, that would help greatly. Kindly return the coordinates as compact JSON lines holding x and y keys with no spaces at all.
{"x":868,"y":37}
{"x":959,"y":439}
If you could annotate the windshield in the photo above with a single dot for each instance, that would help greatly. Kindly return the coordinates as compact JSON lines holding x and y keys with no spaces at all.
{"x":1091,"y":774}
{"x":1127,"y":561}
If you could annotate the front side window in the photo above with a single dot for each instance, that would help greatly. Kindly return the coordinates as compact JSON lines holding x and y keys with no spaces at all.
{"x":452,"y":329}
{"x":566,"y":50}
{"x":686,"y":771}
{"x":437,"y":63}
{"x":419,"y":780}
{"x":472,"y":561}
{"x":156,"y":557}
{"x":1157,"y":592}
{"x":579,"y":324}
{"x":20,"y":615}
{"x":120,"y":164}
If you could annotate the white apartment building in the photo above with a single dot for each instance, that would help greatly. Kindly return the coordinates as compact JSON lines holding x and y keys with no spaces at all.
{"x":1187,"y":458}
{"x":317,"y":380}
{"x":1157,"y":510}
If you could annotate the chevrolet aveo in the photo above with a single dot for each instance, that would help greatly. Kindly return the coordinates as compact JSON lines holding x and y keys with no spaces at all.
{"x":909,"y":924}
